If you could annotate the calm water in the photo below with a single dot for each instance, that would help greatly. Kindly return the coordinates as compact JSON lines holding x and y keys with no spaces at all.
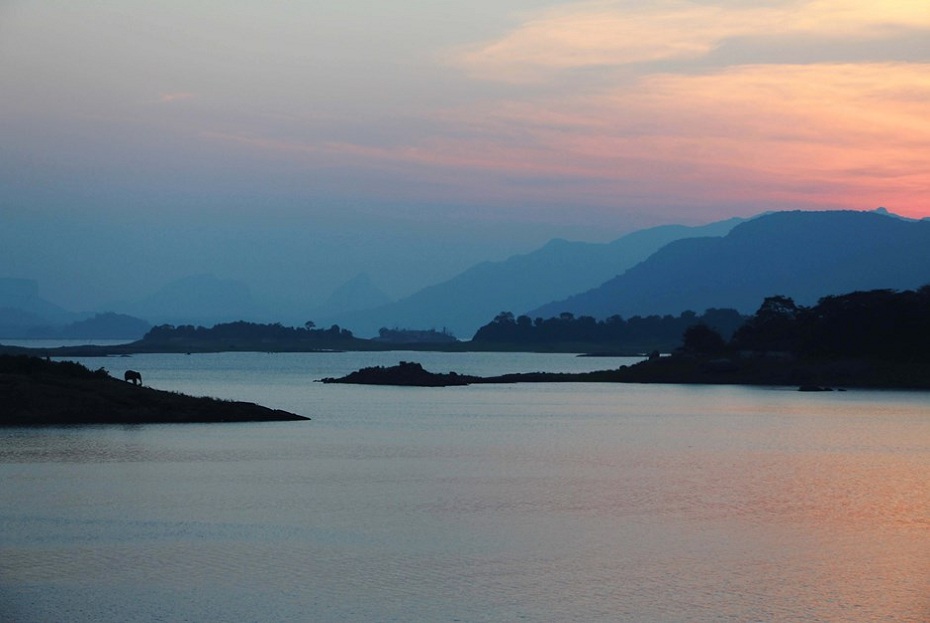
{"x":552,"y":502}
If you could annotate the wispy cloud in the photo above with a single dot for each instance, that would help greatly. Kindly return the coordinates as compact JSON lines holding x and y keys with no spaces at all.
{"x":813,"y":133}
{"x":831,"y":135}
{"x":614,"y":33}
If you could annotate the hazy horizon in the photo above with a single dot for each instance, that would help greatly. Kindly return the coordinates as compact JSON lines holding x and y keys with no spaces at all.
{"x":294,"y":146}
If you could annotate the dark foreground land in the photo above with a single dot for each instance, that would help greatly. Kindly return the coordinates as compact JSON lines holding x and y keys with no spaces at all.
{"x":682,"y":369}
{"x":36,"y":392}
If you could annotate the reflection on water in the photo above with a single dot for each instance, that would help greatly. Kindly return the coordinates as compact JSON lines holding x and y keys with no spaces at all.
{"x":540,"y":503}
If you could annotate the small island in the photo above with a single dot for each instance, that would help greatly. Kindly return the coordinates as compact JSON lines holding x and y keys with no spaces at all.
{"x":412,"y":374}
{"x":38,"y":392}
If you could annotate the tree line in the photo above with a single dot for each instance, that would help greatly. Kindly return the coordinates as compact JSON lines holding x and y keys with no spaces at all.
{"x":649,"y":332}
{"x":251,"y":332}
{"x":876,"y":324}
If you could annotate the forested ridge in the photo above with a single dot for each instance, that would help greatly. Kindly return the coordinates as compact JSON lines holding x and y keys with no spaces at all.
{"x":638,"y":332}
{"x":242,"y":335}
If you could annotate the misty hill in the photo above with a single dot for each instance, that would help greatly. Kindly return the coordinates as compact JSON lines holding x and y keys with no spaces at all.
{"x":803,"y":255}
{"x":17,"y":323}
{"x":558,"y":269}
{"x":23,"y":294}
{"x":359,"y":293}
{"x":197,"y":299}
{"x":25,"y":314}
{"x":105,"y":326}
{"x":22,"y":309}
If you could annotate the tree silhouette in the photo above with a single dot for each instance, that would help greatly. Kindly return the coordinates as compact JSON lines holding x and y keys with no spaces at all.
{"x":772,"y":328}
{"x":703,"y":340}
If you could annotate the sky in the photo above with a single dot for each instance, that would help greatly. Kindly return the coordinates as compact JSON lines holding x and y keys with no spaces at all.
{"x":292,"y":145}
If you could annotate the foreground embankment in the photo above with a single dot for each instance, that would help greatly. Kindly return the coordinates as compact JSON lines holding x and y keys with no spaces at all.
{"x":37,"y":392}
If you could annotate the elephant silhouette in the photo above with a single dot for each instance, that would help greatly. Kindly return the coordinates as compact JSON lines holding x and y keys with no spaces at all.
{"x":132,"y":375}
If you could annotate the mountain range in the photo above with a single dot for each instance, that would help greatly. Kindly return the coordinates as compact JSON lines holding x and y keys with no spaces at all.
{"x":803,"y":255}
{"x":734,"y":263}
{"x":558,"y":269}
{"x":359,"y":293}
{"x":196,"y":299}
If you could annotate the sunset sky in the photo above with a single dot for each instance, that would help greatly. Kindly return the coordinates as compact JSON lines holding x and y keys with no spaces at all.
{"x":410,"y":139}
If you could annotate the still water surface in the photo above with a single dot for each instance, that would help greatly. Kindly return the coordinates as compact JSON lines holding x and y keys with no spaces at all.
{"x":549,"y":502}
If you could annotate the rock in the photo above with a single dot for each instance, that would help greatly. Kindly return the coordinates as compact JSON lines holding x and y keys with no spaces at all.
{"x":814,"y":388}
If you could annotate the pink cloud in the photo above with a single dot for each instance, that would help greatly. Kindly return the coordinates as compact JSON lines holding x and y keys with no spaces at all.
{"x":851,"y":135}
{"x":611,"y":33}
{"x":844,"y":135}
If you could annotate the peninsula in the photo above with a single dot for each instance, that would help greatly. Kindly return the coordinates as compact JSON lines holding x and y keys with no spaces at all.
{"x":680,"y":368}
{"x":37,"y":392}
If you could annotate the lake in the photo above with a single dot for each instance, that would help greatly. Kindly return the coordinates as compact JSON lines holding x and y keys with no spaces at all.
{"x":534,"y":502}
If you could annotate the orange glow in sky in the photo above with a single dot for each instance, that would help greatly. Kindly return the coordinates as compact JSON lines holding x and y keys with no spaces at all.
{"x":686,"y":110}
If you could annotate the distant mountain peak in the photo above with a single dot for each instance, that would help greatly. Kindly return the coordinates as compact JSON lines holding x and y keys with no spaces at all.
{"x":22,"y":296}
{"x":886,"y":212}
{"x":557,"y":243}
{"x":197,"y":299}
{"x":357,"y":294}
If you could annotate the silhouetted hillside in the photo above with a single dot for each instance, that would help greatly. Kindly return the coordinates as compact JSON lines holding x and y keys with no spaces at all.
{"x":467,"y":301}
{"x":36,"y":392}
{"x":804,"y":255}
